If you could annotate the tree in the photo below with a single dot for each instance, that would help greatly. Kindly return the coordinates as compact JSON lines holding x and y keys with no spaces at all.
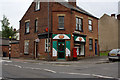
{"x":6,"y":29}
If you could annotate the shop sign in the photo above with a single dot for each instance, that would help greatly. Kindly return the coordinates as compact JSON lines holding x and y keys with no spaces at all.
{"x":81,"y":39}
{"x":61,"y":36}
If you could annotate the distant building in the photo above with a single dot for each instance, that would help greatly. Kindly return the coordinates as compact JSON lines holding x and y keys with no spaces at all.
{"x":108,"y":32}
{"x":119,"y":7}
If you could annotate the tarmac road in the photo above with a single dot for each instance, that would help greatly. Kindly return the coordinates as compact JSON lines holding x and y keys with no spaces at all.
{"x":86,"y":68}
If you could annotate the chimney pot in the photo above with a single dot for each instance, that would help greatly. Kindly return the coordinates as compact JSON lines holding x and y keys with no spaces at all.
{"x":118,"y":16}
{"x":72,"y":2}
{"x":113,"y":15}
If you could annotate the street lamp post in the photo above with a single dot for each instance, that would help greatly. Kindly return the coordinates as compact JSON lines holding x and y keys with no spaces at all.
{"x":10,"y":47}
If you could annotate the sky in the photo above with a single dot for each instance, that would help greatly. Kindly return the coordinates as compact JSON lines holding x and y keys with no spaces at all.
{"x":15,"y":9}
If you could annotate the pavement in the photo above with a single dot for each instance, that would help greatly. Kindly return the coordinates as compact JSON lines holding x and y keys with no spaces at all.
{"x":91,"y":60}
{"x":96,"y":67}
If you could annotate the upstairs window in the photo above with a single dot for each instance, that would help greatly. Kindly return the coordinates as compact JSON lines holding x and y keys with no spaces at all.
{"x":36,"y":25}
{"x":27,"y":24}
{"x":79,"y":24}
{"x":91,"y":44}
{"x":61,"y":22}
{"x":37,"y":7}
{"x":90,"y":25}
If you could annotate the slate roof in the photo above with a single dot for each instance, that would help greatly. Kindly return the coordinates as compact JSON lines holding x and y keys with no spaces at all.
{"x":77,"y":8}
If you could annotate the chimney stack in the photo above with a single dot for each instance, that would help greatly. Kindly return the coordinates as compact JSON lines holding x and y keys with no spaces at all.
{"x":72,"y":2}
{"x":113,"y":15}
{"x":118,"y":16}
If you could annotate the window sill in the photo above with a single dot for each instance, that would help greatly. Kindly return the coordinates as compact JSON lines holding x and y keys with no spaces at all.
{"x":46,"y":52}
{"x":79,"y":30}
{"x":91,"y":31}
{"x":26,"y":54}
{"x":27,"y":33}
{"x":37,"y":10}
{"x":61,"y":29}
{"x":90,"y":50}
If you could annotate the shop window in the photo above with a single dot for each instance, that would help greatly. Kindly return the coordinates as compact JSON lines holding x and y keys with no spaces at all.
{"x":47,"y":45}
{"x":27,"y":25}
{"x":37,"y":6}
{"x":26,"y":47}
{"x":61,"y":22}
{"x":90,"y":25}
{"x":36,"y":25}
{"x":90,"y":44}
{"x":79,"y":24}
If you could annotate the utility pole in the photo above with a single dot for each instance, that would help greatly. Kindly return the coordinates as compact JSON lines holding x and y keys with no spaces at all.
{"x":48,"y":33}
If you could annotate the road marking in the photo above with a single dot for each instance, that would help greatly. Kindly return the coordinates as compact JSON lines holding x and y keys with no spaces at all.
{"x":32,"y":68}
{"x":5,"y":61}
{"x":0,"y":78}
{"x":100,"y":76}
{"x":50,"y":70}
{"x":17,"y":66}
{"x":76,"y":73}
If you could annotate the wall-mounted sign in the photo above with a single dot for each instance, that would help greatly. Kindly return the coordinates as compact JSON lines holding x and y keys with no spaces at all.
{"x":61,"y":36}
{"x":80,"y":39}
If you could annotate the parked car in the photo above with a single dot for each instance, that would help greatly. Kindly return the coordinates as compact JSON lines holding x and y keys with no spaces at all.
{"x":114,"y":54}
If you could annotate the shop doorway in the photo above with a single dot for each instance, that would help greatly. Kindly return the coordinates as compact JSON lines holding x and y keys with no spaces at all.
{"x":61,"y":49}
{"x":80,"y":49}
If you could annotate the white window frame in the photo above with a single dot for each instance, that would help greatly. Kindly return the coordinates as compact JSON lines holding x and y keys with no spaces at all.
{"x":90,"y":26}
{"x":37,"y":6}
{"x":26,"y":47}
{"x":27,"y":27}
{"x":79,"y":24}
{"x":91,"y":44}
{"x":47,"y":45}
{"x":62,"y":22}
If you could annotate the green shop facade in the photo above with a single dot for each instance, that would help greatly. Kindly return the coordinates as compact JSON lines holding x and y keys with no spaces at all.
{"x":63,"y":45}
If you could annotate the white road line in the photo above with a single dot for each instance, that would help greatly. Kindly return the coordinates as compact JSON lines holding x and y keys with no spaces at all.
{"x":94,"y":75}
{"x":5,"y":61}
{"x":100,"y":76}
{"x":76,"y":73}
{"x":0,"y":78}
{"x":17,"y":66}
{"x":32,"y":68}
{"x":50,"y":70}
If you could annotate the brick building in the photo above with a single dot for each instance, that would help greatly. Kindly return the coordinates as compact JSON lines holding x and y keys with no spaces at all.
{"x":69,"y":27}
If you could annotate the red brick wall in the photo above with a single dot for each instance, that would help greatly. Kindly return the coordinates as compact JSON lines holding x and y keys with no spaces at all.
{"x":70,"y":24}
{"x":5,"y":49}
{"x":15,"y":50}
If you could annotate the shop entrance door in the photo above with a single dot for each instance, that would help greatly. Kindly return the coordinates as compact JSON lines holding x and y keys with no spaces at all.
{"x":61,"y":49}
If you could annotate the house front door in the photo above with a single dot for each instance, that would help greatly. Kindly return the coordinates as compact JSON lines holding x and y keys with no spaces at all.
{"x":95,"y":47}
{"x":61,"y":49}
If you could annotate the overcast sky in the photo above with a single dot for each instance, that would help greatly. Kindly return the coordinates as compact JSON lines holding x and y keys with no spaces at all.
{"x":15,"y":9}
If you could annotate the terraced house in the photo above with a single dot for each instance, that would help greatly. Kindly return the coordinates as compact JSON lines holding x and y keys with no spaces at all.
{"x":72,"y":31}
